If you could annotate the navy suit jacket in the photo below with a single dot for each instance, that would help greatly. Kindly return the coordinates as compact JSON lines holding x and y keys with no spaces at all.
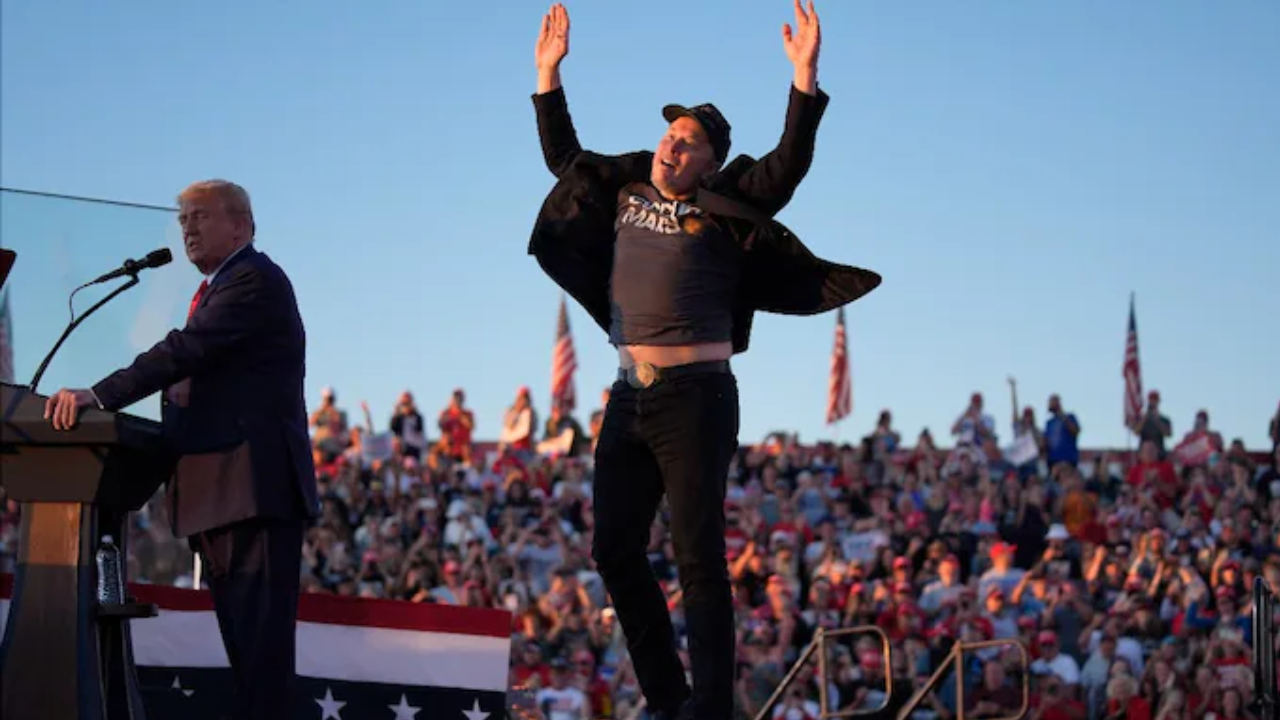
{"x":241,"y":443}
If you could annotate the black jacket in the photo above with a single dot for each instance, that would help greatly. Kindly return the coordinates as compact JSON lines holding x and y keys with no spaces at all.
{"x":241,"y":441}
{"x":574,"y":233}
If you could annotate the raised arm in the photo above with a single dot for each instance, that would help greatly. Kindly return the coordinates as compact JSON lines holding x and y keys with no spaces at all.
{"x":769,"y":184}
{"x":555,"y":126}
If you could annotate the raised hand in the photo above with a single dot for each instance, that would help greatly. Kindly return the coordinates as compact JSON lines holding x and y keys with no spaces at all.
{"x":553,"y":40}
{"x":802,"y":43}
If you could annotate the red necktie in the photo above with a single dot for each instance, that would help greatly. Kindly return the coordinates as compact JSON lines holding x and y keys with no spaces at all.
{"x":204,"y":285}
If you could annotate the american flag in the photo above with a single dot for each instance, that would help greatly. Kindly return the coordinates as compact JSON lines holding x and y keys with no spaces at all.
{"x":840,"y":384}
{"x":1132,"y":371}
{"x":6,"y":339}
{"x":563,"y":363}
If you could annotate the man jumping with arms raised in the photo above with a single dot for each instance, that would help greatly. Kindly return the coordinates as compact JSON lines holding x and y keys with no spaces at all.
{"x":671,"y":252}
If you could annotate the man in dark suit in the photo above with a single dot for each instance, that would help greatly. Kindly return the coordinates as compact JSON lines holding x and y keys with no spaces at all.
{"x":243,"y":486}
{"x":671,"y":252}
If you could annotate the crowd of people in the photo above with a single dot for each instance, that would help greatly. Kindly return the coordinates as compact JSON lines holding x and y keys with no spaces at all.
{"x":1125,"y":579}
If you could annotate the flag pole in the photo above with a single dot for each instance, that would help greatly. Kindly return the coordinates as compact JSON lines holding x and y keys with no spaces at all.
{"x":1128,"y":432}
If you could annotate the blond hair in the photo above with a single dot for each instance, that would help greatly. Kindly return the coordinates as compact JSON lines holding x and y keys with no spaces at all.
{"x":234,"y":198}
{"x":1122,"y":683}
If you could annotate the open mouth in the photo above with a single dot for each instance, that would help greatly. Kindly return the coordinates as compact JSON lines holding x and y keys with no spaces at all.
{"x":668,"y":163}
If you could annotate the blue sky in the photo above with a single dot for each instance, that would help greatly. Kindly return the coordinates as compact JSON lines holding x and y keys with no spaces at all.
{"x":1014,"y":170}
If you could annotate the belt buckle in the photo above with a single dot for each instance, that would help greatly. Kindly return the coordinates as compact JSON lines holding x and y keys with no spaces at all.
{"x":643,"y":375}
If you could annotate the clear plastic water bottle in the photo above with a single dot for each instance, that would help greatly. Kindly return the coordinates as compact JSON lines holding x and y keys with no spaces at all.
{"x":110,"y":575}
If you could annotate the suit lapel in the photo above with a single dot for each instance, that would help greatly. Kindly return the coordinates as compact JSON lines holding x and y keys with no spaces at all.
{"x":224,"y":270}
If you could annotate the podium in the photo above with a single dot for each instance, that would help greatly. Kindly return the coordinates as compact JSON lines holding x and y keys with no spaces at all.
{"x":64,"y":655}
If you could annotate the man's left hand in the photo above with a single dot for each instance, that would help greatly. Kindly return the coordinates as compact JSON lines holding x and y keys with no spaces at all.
{"x":802,"y":42}
{"x":63,"y":407}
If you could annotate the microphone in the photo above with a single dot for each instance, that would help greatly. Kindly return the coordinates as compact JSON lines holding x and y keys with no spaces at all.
{"x":130,"y":268}
{"x":154,"y":259}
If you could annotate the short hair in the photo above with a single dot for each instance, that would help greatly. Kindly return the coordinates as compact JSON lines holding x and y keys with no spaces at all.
{"x":234,"y":198}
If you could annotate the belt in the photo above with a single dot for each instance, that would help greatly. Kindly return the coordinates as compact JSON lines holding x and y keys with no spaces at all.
{"x":645,"y":375}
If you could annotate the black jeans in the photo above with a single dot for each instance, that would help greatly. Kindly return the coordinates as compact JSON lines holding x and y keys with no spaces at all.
{"x":676,"y":437}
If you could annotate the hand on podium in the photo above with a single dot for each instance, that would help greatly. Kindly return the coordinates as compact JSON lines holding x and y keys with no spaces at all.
{"x":63,"y":407}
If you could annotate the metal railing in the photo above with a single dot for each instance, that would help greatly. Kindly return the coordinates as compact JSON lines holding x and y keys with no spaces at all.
{"x":819,"y":645}
{"x":956,"y":657}
{"x":1262,"y":625}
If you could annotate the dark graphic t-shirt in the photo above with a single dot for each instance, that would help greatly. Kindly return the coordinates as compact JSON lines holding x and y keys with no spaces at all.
{"x":675,"y":273}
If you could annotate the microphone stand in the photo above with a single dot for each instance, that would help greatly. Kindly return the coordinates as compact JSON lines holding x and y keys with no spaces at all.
{"x":75,"y":322}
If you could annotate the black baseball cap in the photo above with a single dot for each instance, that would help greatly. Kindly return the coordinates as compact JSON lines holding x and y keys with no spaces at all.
{"x":712,"y":122}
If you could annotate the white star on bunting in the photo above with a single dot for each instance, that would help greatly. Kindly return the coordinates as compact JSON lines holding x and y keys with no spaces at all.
{"x":405,"y":711}
{"x":331,"y":709}
{"x":475,"y":713}
{"x":177,"y":685}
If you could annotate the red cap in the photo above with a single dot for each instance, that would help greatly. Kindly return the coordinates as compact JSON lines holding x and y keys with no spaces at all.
{"x":1001,"y":548}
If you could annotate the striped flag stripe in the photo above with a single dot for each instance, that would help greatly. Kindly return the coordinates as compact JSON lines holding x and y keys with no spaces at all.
{"x":839,"y":384}
{"x":563,"y":364}
{"x":361,"y":657}
{"x":1132,"y":370}
{"x":449,"y":646}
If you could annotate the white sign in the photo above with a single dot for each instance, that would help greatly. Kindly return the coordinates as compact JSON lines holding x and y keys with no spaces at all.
{"x":863,"y":547}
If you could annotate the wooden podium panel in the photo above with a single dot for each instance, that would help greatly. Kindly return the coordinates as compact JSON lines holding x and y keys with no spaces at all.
{"x":64,"y":655}
{"x":51,"y":534}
